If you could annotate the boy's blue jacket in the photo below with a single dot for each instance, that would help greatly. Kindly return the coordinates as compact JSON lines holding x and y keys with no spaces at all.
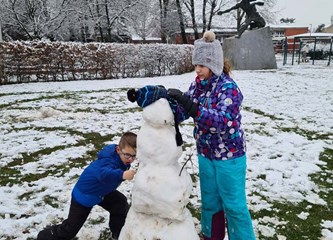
{"x":101,"y":177}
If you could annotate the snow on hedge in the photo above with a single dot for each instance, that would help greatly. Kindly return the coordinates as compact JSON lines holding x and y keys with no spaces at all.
{"x":61,"y":61}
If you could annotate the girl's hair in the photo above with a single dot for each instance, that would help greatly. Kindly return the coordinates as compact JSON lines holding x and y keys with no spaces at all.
{"x":227,"y":67}
{"x":128,"y":139}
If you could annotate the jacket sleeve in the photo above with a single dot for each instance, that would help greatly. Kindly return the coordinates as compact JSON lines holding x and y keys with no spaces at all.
{"x":111,"y":175}
{"x":181,"y":114}
{"x":223,"y":114}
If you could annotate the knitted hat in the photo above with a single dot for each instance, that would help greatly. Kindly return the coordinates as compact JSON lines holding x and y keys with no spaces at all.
{"x":148,"y":95}
{"x":208,"y":52}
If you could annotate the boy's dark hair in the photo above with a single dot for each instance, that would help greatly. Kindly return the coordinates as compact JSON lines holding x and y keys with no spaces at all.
{"x":128,"y":139}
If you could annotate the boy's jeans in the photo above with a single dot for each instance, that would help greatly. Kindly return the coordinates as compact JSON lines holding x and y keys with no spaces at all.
{"x":222,"y":184}
{"x":115,"y":203}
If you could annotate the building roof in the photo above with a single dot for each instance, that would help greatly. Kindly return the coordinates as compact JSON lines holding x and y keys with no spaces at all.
{"x":284,"y":26}
{"x":214,"y":29}
{"x":312,"y":35}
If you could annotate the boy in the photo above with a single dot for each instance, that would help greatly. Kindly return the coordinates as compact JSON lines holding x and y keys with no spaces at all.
{"x":97,"y":186}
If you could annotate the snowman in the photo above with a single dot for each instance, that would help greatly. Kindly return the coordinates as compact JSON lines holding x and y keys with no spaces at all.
{"x":161,"y":191}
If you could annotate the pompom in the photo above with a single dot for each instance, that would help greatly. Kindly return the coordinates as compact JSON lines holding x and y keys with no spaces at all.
{"x":132,"y":95}
{"x":209,"y":36}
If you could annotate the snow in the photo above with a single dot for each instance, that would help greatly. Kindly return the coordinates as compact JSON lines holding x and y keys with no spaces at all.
{"x":287,"y":116}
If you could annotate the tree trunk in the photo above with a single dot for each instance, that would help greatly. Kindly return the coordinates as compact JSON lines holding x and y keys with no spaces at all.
{"x":211,"y":14}
{"x":204,"y":22}
{"x":1,"y":60}
{"x":191,"y":9}
{"x":99,"y":22}
{"x":163,"y":14}
{"x":181,"y":22}
{"x":108,"y":20}
{"x":0,"y":33}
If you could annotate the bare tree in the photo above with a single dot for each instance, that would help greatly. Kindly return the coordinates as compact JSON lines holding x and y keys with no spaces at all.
{"x":189,"y":4}
{"x":115,"y":15}
{"x":145,"y":19}
{"x":34,"y":18}
{"x":106,"y":20}
{"x":214,"y":7}
{"x":203,"y":13}
{"x":181,"y":21}
{"x":164,"y":4}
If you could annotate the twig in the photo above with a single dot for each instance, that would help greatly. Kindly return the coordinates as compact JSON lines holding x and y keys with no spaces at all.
{"x":189,"y":159}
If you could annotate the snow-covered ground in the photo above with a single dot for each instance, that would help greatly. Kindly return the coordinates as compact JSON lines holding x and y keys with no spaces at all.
{"x":46,"y":129}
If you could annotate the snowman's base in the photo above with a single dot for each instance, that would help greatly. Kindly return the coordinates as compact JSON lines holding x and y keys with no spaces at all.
{"x":139,"y":226}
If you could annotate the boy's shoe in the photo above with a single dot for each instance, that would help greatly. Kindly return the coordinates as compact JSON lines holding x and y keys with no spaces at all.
{"x":114,"y":237}
{"x":46,"y":234}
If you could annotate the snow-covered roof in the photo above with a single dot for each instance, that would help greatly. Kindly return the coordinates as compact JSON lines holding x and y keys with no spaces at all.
{"x":216,"y":30}
{"x":137,"y":38}
{"x":322,"y":35}
{"x":284,"y":26}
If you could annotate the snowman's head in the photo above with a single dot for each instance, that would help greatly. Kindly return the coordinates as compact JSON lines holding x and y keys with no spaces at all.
{"x":158,"y":114}
{"x":147,"y":95}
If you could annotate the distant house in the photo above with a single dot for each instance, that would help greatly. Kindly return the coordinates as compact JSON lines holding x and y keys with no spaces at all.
{"x":136,"y":39}
{"x":280,"y":32}
{"x":221,"y":33}
{"x":329,"y":28}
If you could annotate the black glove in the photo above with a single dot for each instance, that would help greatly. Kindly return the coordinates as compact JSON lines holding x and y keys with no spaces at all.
{"x":190,"y":107}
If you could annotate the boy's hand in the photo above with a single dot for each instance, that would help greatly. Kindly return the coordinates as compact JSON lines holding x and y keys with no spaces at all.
{"x":129,"y":174}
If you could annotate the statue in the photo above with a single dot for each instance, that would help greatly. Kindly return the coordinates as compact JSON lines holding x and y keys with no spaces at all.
{"x":252,"y":19}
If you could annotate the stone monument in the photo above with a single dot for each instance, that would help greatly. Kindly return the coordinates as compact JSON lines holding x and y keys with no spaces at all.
{"x":253,"y":51}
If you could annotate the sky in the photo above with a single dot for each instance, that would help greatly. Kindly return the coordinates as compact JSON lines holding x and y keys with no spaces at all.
{"x":307,"y":12}
{"x":280,"y":161}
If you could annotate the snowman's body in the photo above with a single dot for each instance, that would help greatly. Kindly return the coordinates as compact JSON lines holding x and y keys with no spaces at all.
{"x":160,"y":194}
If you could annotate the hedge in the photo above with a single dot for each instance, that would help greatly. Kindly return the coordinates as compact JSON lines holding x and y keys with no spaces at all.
{"x":22,"y":62}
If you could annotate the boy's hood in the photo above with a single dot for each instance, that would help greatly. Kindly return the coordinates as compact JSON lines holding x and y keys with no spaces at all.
{"x":107,"y":151}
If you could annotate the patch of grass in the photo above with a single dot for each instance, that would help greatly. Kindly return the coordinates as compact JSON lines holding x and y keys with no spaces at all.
{"x":261,"y":131}
{"x":104,"y":235}
{"x":10,"y":174}
{"x":309,"y":228}
{"x":275,"y":156}
{"x":44,"y":97}
{"x":97,"y":221}
{"x":26,"y":195}
{"x":196,"y":212}
{"x":16,"y":177}
{"x":297,"y":228}
{"x":131,"y":110}
{"x":310,"y":135}
{"x":52,"y":201}
{"x":7,"y":175}
{"x":324,"y":180}
{"x":259,"y":112}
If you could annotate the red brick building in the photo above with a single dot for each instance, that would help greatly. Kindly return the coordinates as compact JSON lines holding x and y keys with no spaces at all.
{"x":280,"y":32}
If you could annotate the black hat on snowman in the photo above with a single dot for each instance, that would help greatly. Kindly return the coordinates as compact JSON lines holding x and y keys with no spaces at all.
{"x":149,"y":94}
